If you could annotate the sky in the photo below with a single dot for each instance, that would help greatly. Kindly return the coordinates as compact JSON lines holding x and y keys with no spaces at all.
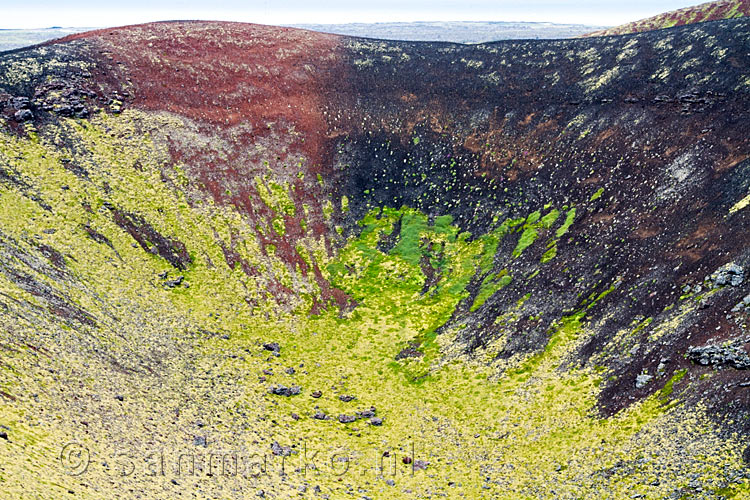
{"x":104,"y":13}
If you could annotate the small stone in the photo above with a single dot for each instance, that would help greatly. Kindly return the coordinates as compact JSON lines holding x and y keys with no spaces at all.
{"x":367,"y":413}
{"x":347,"y":399}
{"x":377,"y":421}
{"x":407,"y":460}
{"x":290,"y":371}
{"x":200,"y":441}
{"x":420,"y":465}
{"x":120,"y":397}
{"x":390,"y":482}
{"x":279,"y":450}
{"x":4,"y":435}
{"x":21,"y":102}
{"x":319,"y":415}
{"x":281,"y":390}
{"x":64,"y":110}
{"x":272,"y":346}
{"x":316,"y":394}
{"x":174,"y":283}
{"x":347,"y":419}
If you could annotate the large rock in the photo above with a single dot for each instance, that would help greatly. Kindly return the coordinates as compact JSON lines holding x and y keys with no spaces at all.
{"x":728,"y":274}
{"x":714,"y":355}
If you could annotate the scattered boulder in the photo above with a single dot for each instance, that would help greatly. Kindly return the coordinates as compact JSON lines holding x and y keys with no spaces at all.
{"x":319,"y":415}
{"x":642,"y":380}
{"x":290,"y":371}
{"x":200,"y":441}
{"x":4,"y":435}
{"x":316,"y":394}
{"x":282,"y":390}
{"x":376,"y":421}
{"x":662,"y":368}
{"x":346,"y":399}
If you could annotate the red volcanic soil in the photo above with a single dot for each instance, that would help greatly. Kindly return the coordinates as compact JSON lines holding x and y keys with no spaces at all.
{"x":225,"y":74}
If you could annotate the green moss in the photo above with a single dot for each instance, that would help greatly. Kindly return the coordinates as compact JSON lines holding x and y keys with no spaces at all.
{"x":549,"y":254}
{"x":666,"y":391}
{"x":569,"y":218}
{"x":528,"y":237}
{"x":490,"y":285}
{"x":549,"y":219}
{"x":597,"y":195}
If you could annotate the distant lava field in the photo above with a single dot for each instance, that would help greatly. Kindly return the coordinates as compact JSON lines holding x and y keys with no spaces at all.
{"x":241,"y":261}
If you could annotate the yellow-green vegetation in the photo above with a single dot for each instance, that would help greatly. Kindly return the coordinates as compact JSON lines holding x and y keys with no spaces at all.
{"x":158,"y":372}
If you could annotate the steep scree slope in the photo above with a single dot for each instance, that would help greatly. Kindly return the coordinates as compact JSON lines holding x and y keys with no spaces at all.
{"x":242,"y":260}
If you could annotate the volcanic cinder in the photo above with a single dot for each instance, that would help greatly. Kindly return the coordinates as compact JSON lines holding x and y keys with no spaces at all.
{"x":241,"y":260}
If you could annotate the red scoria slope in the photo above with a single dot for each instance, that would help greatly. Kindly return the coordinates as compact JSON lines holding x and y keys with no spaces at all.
{"x":709,"y":11}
